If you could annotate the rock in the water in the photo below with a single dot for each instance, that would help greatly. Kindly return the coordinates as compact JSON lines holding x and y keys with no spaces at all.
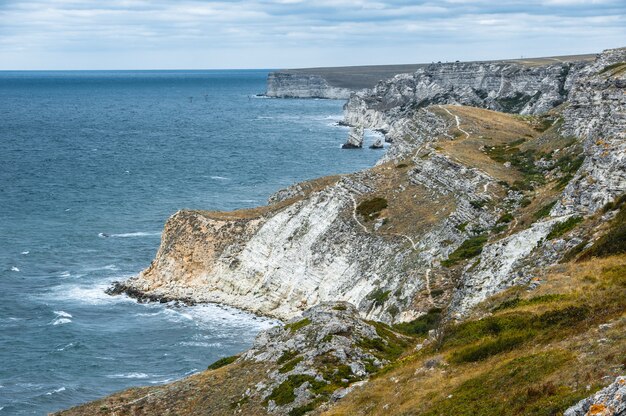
{"x":355,"y":139}
{"x":610,"y":401}
{"x":378,"y":144}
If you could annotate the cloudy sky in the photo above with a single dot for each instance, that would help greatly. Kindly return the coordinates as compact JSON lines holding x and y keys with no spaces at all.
{"x":141,"y":34}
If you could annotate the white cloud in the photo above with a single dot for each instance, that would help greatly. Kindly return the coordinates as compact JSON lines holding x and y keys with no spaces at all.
{"x":281,"y":33}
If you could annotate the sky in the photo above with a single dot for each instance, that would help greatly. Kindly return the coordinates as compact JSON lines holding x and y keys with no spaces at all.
{"x":193,"y":34}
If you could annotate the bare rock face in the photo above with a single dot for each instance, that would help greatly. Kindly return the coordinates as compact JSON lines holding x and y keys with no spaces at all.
{"x":507,"y":87}
{"x":288,"y":85}
{"x":610,"y":401}
{"x":355,"y":139}
{"x":596,"y":112}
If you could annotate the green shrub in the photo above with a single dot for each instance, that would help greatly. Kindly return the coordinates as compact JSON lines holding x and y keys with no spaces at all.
{"x":286,"y":356}
{"x":294,"y":326}
{"x":471,"y":247}
{"x":574,"y":251}
{"x":302,"y":410}
{"x":222,"y":362}
{"x":516,"y":302}
{"x":283,"y":393}
{"x":421,"y":325}
{"x":544,"y":211}
{"x":370,"y":208}
{"x":386,"y":346}
{"x":613,"y":242}
{"x":563,"y":227}
{"x":478,"y":204}
{"x":490,"y":347}
{"x":402,"y":165}
{"x":461,"y":227}
{"x":290,"y":365}
{"x":611,"y":67}
{"x":505,"y":218}
{"x":379,"y":296}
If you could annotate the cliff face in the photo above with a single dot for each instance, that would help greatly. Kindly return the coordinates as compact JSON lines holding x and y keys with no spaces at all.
{"x":288,"y":85}
{"x":507,"y":87}
{"x":464,"y":204}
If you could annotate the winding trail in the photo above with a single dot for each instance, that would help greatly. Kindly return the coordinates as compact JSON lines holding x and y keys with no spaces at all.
{"x":458,"y":121}
{"x":430,"y":295}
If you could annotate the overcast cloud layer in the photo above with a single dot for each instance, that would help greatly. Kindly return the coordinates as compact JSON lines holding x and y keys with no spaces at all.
{"x":136,"y":34}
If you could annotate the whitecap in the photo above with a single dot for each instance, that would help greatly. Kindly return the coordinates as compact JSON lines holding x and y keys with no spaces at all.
{"x":132,"y":234}
{"x":128,"y":375}
{"x":15,"y":269}
{"x":200,"y":344}
{"x":220,"y":178}
{"x":63,"y":348}
{"x":91,"y":295}
{"x":61,"y":321}
{"x":68,"y":209}
{"x":25,"y":252}
{"x":59,"y":390}
{"x":63,"y":314}
{"x":167,"y":380}
{"x":65,"y":274}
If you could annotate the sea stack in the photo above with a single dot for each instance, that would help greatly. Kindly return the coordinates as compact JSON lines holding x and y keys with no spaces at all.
{"x":355,"y":138}
{"x":378,"y":144}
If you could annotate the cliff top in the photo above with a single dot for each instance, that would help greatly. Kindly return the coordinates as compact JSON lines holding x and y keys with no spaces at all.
{"x":360,"y":77}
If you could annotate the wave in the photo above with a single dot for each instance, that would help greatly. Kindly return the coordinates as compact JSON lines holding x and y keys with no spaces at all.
{"x":128,"y":375}
{"x":15,"y":269}
{"x":220,"y":178}
{"x":129,"y":235}
{"x":200,"y":344}
{"x":25,"y":252}
{"x":62,"y":314}
{"x":61,"y":321}
{"x":59,"y":390}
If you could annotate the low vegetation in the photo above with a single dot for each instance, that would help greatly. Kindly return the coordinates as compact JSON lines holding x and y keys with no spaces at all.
{"x":222,"y":362}
{"x":471,"y":247}
{"x":563,"y":227}
{"x":294,"y":326}
{"x":531,"y":353}
{"x":370,"y":209}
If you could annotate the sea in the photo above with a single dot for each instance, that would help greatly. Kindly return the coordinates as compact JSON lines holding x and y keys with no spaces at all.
{"x":92,"y":163}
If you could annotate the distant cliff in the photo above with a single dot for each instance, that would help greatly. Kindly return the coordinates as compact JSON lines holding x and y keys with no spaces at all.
{"x":341,"y":82}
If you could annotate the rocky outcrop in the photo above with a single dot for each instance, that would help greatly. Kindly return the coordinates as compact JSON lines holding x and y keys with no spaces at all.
{"x":291,"y":369}
{"x":610,"y":401}
{"x":596,"y":112}
{"x":355,"y":138}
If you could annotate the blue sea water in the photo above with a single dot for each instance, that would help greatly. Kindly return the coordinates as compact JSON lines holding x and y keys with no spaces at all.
{"x":84,"y":155}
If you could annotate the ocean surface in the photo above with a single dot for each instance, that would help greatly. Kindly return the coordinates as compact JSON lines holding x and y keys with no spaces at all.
{"x":91,"y":166}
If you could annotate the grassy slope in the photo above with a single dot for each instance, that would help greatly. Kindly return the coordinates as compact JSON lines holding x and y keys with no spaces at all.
{"x":531,"y":353}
